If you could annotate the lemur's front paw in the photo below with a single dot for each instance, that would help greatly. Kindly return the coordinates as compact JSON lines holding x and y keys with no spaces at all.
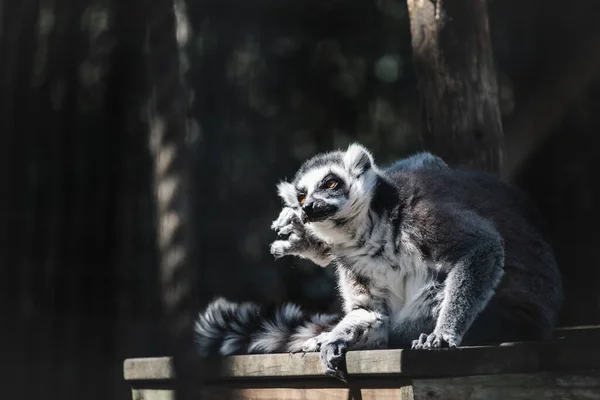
{"x":434,"y":341}
{"x":314,"y":344}
{"x":333,"y":359}
{"x":280,"y":248}
{"x":293,"y":245}
{"x":287,"y":222}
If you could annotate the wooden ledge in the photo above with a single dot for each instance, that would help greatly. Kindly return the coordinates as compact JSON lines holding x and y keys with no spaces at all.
{"x":466,"y":360}
{"x":571,"y":353}
{"x":566,"y":367}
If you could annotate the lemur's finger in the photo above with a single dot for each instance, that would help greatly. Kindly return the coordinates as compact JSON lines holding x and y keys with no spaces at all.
{"x":286,"y":230}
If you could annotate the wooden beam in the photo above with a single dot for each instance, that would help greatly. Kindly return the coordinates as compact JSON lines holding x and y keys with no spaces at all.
{"x":579,"y":333}
{"x":539,"y":386}
{"x":524,"y":386}
{"x":564,"y":368}
{"x":463,"y":361}
{"x":453,"y":58}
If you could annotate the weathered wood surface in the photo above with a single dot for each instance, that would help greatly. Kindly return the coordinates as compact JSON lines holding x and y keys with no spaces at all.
{"x":568,"y":353}
{"x":527,"y":386}
{"x":454,"y":362}
{"x":535,"y":386}
{"x":586,"y":332}
{"x":309,"y":393}
{"x":565,"y":368}
{"x":224,"y":393}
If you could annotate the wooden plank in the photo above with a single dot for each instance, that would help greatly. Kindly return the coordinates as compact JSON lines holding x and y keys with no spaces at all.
{"x":150,"y":368}
{"x":443,"y":362}
{"x":586,"y":332}
{"x":563,"y":355}
{"x":290,"y":389}
{"x":218,"y":393}
{"x":541,"y":385}
{"x":247,"y":366}
{"x":538,"y":386}
{"x":576,"y":355}
{"x":565,"y":368}
{"x":465,"y":360}
{"x":506,"y":358}
{"x":368,"y":382}
{"x":153,"y":394}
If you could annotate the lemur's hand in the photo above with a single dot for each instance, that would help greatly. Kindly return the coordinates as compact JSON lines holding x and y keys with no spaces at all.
{"x":296,"y":240}
{"x":289,"y":226}
{"x":287,"y":222}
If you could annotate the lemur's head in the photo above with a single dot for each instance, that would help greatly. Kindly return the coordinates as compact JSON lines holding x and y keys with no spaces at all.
{"x":332,"y":187}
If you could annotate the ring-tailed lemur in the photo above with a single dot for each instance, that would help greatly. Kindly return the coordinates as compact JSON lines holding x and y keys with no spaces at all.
{"x":427,"y":256}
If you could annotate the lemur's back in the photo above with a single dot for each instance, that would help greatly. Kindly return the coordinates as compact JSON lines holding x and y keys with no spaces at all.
{"x":507,"y":206}
{"x":531,"y":288}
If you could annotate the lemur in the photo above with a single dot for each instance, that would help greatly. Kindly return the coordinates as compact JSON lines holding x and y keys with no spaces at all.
{"x":427,"y":256}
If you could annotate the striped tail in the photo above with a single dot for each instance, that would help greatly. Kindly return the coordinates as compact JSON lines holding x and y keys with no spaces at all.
{"x":226,"y":328}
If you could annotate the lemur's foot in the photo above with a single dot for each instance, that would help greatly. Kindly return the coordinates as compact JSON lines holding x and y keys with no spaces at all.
{"x":314,"y":344}
{"x":333,"y":359}
{"x":433,"y":341}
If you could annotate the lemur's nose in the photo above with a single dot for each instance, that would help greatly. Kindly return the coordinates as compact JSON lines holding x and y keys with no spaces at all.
{"x":307,"y":211}
{"x":308,"y":206}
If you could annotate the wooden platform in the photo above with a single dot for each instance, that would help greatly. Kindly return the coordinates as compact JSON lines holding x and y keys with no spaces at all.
{"x":567,"y":367}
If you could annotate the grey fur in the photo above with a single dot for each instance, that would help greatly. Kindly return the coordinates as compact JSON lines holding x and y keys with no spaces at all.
{"x":226,"y":328}
{"x":427,"y":256}
{"x":418,"y":161}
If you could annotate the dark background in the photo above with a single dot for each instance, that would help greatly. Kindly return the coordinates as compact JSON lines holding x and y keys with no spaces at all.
{"x":271,"y":83}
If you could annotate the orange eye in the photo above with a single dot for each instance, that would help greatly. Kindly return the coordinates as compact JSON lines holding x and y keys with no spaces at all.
{"x":331,"y":184}
{"x":301,"y":199}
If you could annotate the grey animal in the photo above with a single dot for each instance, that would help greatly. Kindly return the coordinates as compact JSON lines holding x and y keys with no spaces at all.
{"x":427,"y":256}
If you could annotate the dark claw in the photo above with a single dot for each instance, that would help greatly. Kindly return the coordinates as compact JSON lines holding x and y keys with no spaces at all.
{"x":302,"y":353}
{"x":333,"y":359}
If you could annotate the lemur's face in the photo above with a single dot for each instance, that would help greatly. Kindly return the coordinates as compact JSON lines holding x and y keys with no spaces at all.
{"x":331,"y":187}
{"x":322,"y":193}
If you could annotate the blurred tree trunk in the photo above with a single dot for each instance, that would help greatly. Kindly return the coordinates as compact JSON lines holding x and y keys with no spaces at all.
{"x":167,"y":113}
{"x":453,"y":58}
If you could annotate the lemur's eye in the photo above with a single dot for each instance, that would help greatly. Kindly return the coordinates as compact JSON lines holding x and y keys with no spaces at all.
{"x":301,"y":199}
{"x":332,"y":183}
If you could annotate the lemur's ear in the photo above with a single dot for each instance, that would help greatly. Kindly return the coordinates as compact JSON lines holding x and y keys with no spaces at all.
{"x":287,"y":192}
{"x":358,"y":159}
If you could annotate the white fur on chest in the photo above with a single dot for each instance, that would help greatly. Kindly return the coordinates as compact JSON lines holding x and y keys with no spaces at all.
{"x":396,"y":270}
